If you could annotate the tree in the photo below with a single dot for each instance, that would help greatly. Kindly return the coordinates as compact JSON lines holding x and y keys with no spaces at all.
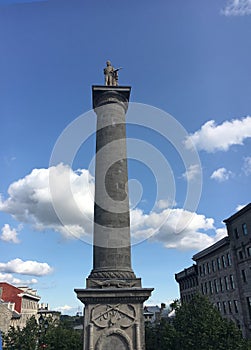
{"x":200,"y":326}
{"x":25,"y":339}
{"x":58,"y":336}
{"x":160,"y":336}
{"x":175,"y":304}
{"x":63,"y":337}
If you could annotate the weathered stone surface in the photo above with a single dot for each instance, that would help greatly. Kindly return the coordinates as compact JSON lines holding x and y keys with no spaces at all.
{"x":113,"y":298}
{"x":114,"y":316}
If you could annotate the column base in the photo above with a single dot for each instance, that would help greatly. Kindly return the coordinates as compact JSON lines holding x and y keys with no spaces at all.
{"x":113,"y":318}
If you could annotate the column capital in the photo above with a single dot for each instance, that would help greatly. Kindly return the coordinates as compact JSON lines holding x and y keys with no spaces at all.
{"x":104,"y":95}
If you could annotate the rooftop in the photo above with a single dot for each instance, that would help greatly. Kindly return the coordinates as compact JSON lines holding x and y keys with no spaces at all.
{"x":224,"y":241}
{"x":238,"y":214}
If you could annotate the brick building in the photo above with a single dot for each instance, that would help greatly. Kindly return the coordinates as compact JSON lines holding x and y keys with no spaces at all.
{"x":223,"y":272}
{"x":17,"y":305}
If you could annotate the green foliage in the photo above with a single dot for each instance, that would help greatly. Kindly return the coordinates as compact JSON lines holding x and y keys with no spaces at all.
{"x":63,"y":337}
{"x":175,"y":304}
{"x":196,"y":326}
{"x":199,"y":326}
{"x":25,"y":339}
{"x":58,"y":336}
{"x":160,"y":336}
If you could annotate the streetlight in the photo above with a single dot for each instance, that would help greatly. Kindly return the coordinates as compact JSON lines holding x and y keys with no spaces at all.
{"x":43,"y":326}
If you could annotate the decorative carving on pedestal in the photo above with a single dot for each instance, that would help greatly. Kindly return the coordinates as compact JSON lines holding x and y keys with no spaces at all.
{"x":115,"y":339}
{"x":104,"y":316}
{"x":112,"y":274}
{"x":112,"y":320}
{"x":114,"y":284}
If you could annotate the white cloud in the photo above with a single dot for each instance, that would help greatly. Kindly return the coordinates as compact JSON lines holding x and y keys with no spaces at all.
{"x":67,"y":310}
{"x":237,"y":8}
{"x":212,"y":137}
{"x":9,"y":234}
{"x":64,"y":308}
{"x":240,"y":206}
{"x":192,"y":172}
{"x":175,"y":228}
{"x":220,"y":233}
{"x":247,"y":166}
{"x":9,"y":278}
{"x":221,"y":175}
{"x":164,"y":204}
{"x":28,"y":267}
{"x":30,"y":200}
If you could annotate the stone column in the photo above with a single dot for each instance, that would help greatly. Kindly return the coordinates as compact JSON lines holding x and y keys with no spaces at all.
{"x":113,"y":298}
{"x":111,"y":251}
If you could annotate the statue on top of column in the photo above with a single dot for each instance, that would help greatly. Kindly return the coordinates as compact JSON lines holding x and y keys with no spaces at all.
{"x":111,"y":74}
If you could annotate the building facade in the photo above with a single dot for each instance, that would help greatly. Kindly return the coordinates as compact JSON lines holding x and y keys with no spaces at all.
{"x":223,"y":272}
{"x":22,"y":302}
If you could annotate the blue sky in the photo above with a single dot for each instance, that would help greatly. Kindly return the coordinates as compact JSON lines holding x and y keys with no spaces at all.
{"x":189,"y":59}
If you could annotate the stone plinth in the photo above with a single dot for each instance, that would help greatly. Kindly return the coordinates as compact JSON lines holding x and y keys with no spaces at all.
{"x":113,"y":318}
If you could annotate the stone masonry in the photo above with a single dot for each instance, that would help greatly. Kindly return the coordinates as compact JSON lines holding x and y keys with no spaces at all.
{"x":113,"y":297}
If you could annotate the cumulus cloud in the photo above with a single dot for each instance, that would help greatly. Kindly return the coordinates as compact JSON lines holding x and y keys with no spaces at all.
{"x":247,"y":166}
{"x":31,"y":200}
{"x":46,"y":197}
{"x":237,"y":8}
{"x":240,"y":206}
{"x":64,"y":308}
{"x":9,"y":278}
{"x":192,"y":172}
{"x":212,"y":137}
{"x":28,"y":267}
{"x":164,"y":203}
{"x":221,"y":175}
{"x":10,"y":234}
{"x":174,"y":228}
{"x":220,"y":233}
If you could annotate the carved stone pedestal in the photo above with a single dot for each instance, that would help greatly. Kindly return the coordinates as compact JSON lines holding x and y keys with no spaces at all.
{"x":113,"y":318}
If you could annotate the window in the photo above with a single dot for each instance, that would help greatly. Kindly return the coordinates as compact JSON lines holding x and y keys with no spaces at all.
{"x":231,"y":277}
{"x":210,"y":287}
{"x":200,"y":270}
{"x":219,"y":306}
{"x":236,"y":309}
{"x":244,"y":229}
{"x":236,"y":233}
{"x":221,"y":285}
{"x":249,"y":305}
{"x":205,"y":287}
{"x":248,"y":251}
{"x":224,"y":307}
{"x":230,"y":306}
{"x":223,"y":261}
{"x":226,"y":283}
{"x":208,"y":268}
{"x":202,"y":289}
{"x":244,"y":277}
{"x":240,"y":254}
{"x":204,"y":270}
{"x":218,"y":263}
{"x":229,"y":260}
{"x":213,"y":266}
{"x":216,"y":287}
